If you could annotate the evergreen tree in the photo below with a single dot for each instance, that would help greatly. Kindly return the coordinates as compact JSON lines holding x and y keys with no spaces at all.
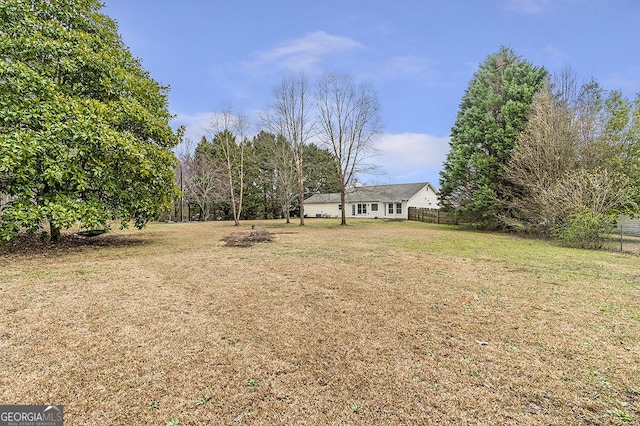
{"x":321,"y":172}
{"x":84,"y":134}
{"x":266,"y":168}
{"x":493,"y":112}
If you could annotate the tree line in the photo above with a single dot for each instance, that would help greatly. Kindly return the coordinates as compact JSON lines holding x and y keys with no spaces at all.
{"x":85,"y":140}
{"x":542,"y":154}
{"x":269,"y":184}
{"x":315,"y":139}
{"x":85,"y":136}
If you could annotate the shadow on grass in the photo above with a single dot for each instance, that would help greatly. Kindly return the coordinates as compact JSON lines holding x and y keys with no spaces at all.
{"x":31,"y":245}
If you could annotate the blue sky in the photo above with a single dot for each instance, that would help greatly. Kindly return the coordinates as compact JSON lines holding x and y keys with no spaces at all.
{"x":419,"y":55}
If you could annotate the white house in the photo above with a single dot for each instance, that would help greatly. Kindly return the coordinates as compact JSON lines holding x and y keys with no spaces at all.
{"x":379,"y":201}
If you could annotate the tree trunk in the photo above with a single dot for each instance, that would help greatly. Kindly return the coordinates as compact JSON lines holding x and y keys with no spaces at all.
{"x":344,"y":207}
{"x":286,"y":208}
{"x":301,"y":195}
{"x":54,"y":231}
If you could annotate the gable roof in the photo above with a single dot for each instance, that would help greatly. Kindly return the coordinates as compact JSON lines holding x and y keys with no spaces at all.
{"x":376,"y":193}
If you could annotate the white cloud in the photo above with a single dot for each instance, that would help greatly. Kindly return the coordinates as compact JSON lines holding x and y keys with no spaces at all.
{"x":628,"y":83}
{"x":401,"y":66}
{"x":527,"y":7}
{"x":197,"y":125}
{"x":556,"y":55}
{"x":202,"y":124}
{"x":408,"y":157}
{"x":303,"y":54}
{"x":406,"y":65}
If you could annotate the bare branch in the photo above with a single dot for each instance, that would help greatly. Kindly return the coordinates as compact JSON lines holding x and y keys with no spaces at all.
{"x":348,"y":122}
{"x":290,"y":116}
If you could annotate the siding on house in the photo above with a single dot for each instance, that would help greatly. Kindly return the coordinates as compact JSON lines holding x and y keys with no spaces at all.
{"x":380,"y":201}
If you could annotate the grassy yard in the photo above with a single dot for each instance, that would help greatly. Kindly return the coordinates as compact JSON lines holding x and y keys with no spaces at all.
{"x":373,"y":324}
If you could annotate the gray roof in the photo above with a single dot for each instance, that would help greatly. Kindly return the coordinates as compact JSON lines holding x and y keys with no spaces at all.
{"x":376,"y":193}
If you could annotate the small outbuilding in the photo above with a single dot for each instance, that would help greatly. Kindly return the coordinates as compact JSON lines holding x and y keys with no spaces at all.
{"x":378,"y":201}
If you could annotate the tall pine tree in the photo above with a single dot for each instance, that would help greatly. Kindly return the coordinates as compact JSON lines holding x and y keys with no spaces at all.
{"x":493,"y":111}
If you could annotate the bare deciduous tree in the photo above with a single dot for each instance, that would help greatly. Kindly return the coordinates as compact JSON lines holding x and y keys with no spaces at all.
{"x":348,"y":122}
{"x":205,"y":183}
{"x":285,"y":177}
{"x":570,"y":166}
{"x":543,"y":154}
{"x":184,"y":153}
{"x":584,"y":206}
{"x":229,"y":136}
{"x":290,"y":116}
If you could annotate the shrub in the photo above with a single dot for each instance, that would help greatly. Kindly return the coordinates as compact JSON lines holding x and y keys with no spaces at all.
{"x":586,"y":230}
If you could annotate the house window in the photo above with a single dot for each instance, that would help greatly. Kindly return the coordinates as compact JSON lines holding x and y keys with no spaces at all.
{"x":398,"y":208}
{"x":339,"y":206}
{"x":353,"y":210}
{"x":374,"y":207}
{"x":390,"y":208}
{"x":362,"y":209}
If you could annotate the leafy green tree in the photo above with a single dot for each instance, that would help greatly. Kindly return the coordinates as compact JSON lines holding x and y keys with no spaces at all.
{"x":493,"y":111}
{"x":84,"y":134}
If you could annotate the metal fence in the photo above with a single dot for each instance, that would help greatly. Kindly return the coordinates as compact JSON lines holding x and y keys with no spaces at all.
{"x":629,"y":226}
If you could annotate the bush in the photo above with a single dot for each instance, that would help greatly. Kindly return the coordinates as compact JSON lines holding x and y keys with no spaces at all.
{"x":586,"y":230}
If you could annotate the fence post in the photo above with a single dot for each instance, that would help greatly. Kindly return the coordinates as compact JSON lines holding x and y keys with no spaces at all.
{"x":621,"y":238}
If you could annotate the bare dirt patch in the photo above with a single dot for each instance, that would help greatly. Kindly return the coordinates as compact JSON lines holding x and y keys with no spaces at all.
{"x":375,"y":323}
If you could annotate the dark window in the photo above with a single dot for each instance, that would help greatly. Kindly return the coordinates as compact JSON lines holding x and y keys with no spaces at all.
{"x":374,"y":207}
{"x":398,"y":208}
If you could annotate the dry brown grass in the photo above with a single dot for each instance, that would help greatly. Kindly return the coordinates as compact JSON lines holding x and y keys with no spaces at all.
{"x":376,"y":323}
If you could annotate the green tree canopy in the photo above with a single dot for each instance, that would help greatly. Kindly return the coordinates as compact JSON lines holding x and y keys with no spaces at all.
{"x":84,"y":133}
{"x":493,"y":112}
{"x":321,"y":171}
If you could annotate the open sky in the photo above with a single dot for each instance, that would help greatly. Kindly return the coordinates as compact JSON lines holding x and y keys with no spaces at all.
{"x":420,"y":56}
